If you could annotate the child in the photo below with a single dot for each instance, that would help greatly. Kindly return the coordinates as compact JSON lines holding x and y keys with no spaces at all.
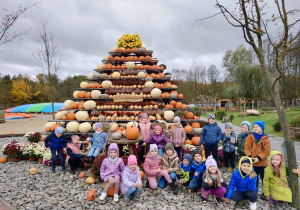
{"x":258,"y":146}
{"x":171,"y":164}
{"x":93,"y":153}
{"x":197,"y":170}
{"x":57,"y":141}
{"x":185,"y":167}
{"x":153,"y":169}
{"x":178,"y":136}
{"x":73,"y":154}
{"x":158,"y":137}
{"x":210,"y":136}
{"x":213,"y":183}
{"x":228,"y":138}
{"x":131,"y":179}
{"x":111,"y":171}
{"x":145,"y":130}
{"x":246,"y":130}
{"x":242,"y":185}
{"x":275,"y":181}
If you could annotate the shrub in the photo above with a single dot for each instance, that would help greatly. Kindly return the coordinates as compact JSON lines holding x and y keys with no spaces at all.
{"x":295,"y":122}
{"x":220,"y":114}
{"x":277,"y":126}
{"x":231,"y":117}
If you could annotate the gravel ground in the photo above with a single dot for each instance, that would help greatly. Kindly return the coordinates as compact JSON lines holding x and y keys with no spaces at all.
{"x":66,"y":191}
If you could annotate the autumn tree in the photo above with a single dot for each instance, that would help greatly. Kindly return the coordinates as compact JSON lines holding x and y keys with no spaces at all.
{"x":256,"y":23}
{"x":20,"y":92}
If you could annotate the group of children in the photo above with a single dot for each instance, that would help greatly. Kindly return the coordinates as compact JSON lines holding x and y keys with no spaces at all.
{"x":195,"y":173}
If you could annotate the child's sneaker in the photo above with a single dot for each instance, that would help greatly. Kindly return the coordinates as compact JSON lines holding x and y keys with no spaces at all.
{"x":102,"y":196}
{"x":253,"y":206}
{"x":126,"y":198}
{"x":53,"y":171}
{"x":135,"y":195}
{"x":116,"y":197}
{"x":219,"y":201}
{"x":204,"y":201}
{"x":63,"y":169}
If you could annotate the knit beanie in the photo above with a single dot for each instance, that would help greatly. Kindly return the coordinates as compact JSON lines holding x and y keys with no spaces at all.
{"x":152,"y":147}
{"x":210,"y":161}
{"x":261,"y":124}
{"x":176,"y":119}
{"x":131,"y":160}
{"x":98,"y":125}
{"x":188,"y":157}
{"x":278,"y":156}
{"x":169,"y":145}
{"x":211,"y":115}
{"x":74,"y":136}
{"x":144,"y":115}
{"x":158,"y":127}
{"x":58,"y":129}
{"x":228,"y":125}
{"x":197,"y":151}
{"x":245,"y":160}
{"x":246,"y":123}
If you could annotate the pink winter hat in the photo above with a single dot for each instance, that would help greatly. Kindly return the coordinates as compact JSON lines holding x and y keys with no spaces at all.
{"x":158,"y":127}
{"x":132,"y":160}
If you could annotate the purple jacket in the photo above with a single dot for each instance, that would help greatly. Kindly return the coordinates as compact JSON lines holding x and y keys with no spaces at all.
{"x":129,"y":179}
{"x":160,"y":140}
{"x":111,"y":169}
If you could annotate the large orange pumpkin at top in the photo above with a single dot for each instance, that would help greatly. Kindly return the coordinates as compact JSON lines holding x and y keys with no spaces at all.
{"x":3,"y":159}
{"x":132,"y":132}
{"x":178,"y":105}
{"x":54,"y":126}
{"x":195,"y":125}
{"x":71,"y":116}
{"x":188,"y":129}
{"x":196,"y":141}
{"x":189,"y":115}
{"x":111,"y":191}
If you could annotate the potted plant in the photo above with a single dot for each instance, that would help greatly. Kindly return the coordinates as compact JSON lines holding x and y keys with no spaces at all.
{"x":168,"y":75}
{"x":40,"y":151}
{"x":15,"y":152}
{"x":188,"y":149}
{"x":29,"y":152}
{"x":33,"y":136}
{"x":180,"y":114}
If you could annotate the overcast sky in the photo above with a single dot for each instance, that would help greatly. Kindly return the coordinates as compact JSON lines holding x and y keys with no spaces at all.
{"x":86,"y":30}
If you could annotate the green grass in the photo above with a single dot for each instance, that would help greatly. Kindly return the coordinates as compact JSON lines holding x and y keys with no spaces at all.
{"x":268,"y":118}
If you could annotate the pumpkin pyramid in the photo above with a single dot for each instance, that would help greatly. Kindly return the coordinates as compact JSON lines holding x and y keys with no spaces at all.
{"x":127,"y":83}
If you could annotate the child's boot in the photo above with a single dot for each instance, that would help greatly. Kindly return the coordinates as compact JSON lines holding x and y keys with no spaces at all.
{"x":53,"y":171}
{"x":116,"y":197}
{"x":126,"y":198}
{"x":135,"y":195}
{"x":173,"y":187}
{"x":92,"y":159}
{"x":253,"y":206}
{"x":102,"y":196}
{"x":86,"y":159}
{"x":63,"y":169}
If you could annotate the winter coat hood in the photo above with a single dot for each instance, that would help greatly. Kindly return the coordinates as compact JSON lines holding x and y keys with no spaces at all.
{"x":113,"y":146}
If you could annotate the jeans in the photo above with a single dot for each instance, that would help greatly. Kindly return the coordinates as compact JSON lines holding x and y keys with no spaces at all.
{"x":260,"y":171}
{"x":54,"y":158}
{"x":133,"y":190}
{"x":196,"y":182}
{"x":163,"y":182}
{"x":229,"y":156}
{"x":94,"y":151}
{"x":178,"y":150}
{"x":161,"y":152}
{"x":212,"y":149}
{"x":75,"y":162}
{"x":238,"y":196}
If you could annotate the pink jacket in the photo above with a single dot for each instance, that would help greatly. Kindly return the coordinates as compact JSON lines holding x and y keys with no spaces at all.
{"x":151,"y":165}
{"x":75,"y":149}
{"x":145,"y":129}
{"x":178,"y":136}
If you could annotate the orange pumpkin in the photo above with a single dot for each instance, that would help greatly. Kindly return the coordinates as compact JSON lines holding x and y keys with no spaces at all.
{"x":71,"y":116}
{"x":3,"y":159}
{"x":64,"y":118}
{"x":167,"y":94}
{"x":171,"y":128}
{"x":169,"y":106}
{"x":174,"y":92}
{"x":161,"y":75}
{"x":81,"y":175}
{"x":184,"y":106}
{"x":142,"y":174}
{"x":48,"y":129}
{"x":121,"y":128}
{"x":80,"y":94}
{"x":111,"y":191}
{"x":167,"y":84}
{"x":87,"y":95}
{"x":196,"y":118}
{"x":11,"y":132}
{"x":80,"y":106}
{"x":142,"y":165}
{"x":195,"y":125}
{"x":188,"y":129}
{"x":153,"y":75}
{"x":173,"y":103}
{"x":196,"y":140}
{"x":141,"y":58}
{"x":74,"y":105}
{"x":180,"y":95}
{"x":91,"y":195}
{"x":178,"y":105}
{"x":132,"y":133}
{"x":54,"y":126}
{"x":188,"y":142}
{"x":189,"y":115}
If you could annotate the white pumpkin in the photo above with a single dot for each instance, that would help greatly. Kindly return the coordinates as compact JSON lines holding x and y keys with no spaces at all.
{"x":100,"y":65}
{"x":114,"y":126}
{"x":129,"y":124}
{"x":149,"y":84}
{"x":116,"y":136}
{"x":169,"y":115}
{"x":162,"y":121}
{"x":106,"y":84}
{"x":73,"y":126}
{"x":173,"y":86}
{"x":75,"y":94}
{"x":141,"y":75}
{"x":155,"y":93}
{"x":93,"y":75}
{"x":49,"y":124}
{"x":90,"y":104}
{"x":59,"y":115}
{"x":68,"y":103}
{"x":105,"y":57}
{"x":116,"y":75}
{"x":96,"y":94}
{"x":82,"y":115}
{"x":130,"y":65}
{"x":84,"y":127}
{"x":113,"y":49}
{"x":83,"y":84}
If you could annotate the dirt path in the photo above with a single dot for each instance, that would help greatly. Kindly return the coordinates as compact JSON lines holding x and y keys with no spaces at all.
{"x":24,"y":125}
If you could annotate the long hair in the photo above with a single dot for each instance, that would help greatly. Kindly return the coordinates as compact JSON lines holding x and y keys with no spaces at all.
{"x":276,"y":172}
{"x":218,"y":181}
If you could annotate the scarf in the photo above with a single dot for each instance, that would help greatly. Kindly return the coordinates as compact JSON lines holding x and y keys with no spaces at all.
{"x":198,"y":163}
{"x":276,"y":167}
{"x":258,"y":136}
{"x":243,"y":134}
{"x":98,"y":132}
{"x":185,"y":168}
{"x":112,"y":160}
{"x":135,"y":171}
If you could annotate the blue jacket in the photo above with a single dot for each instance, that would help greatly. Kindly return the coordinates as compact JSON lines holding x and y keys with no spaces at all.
{"x":227,"y":145}
{"x":95,"y":140}
{"x":241,"y":183}
{"x":196,"y":167}
{"x":56,"y":143}
{"x":211,"y":134}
